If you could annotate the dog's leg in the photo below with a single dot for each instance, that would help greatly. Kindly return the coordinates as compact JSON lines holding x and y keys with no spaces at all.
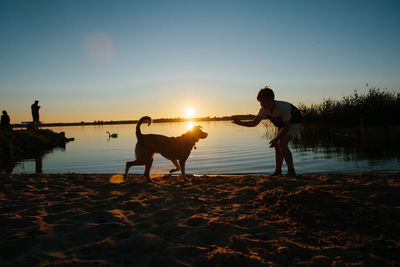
{"x":147,"y":170}
{"x":177,"y":167}
{"x":130,"y":164}
{"x":182,"y":163}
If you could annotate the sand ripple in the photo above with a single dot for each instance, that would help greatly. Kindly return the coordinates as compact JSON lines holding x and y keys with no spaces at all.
{"x":320,"y":220}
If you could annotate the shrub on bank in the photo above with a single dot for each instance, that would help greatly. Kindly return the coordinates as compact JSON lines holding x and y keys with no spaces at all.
{"x":377,"y":107}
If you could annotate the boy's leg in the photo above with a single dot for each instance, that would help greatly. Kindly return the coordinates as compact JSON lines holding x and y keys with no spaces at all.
{"x":278,"y":158}
{"x":287,"y":154}
{"x":278,"y":161}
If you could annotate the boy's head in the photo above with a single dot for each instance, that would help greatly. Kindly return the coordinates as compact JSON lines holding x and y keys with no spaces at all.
{"x":265,"y":93}
{"x":266,"y":97}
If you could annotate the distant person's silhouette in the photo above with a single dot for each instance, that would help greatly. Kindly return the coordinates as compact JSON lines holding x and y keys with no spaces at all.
{"x":5,"y":121}
{"x":35,"y":114}
{"x":286,"y":118}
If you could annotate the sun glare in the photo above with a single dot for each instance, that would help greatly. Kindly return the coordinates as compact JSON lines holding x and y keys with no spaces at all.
{"x":190,"y":112}
{"x":190,"y":125}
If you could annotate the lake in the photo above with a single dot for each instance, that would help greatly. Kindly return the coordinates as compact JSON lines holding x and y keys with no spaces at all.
{"x":229,"y":149}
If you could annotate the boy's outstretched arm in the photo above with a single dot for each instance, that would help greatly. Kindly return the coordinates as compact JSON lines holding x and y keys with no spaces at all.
{"x":251,"y":123}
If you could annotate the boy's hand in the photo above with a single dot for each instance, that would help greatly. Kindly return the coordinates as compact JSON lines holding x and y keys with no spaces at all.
{"x":236,"y":120}
{"x":273,"y":142}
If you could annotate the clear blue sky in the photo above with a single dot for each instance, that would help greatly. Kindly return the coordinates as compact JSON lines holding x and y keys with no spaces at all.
{"x":111,"y":60}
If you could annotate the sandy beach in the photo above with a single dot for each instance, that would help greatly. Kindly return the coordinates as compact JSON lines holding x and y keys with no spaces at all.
{"x":221,"y":220}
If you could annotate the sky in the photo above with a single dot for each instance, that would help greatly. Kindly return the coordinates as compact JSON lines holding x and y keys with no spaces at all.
{"x":120,"y":60}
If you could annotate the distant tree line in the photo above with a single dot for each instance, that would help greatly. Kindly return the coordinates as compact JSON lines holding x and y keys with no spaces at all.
{"x":377,"y":107}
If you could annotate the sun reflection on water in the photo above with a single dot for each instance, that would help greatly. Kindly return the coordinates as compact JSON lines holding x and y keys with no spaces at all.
{"x":190,"y":125}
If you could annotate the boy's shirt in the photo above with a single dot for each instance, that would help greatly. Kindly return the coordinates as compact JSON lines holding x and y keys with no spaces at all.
{"x":283,"y":111}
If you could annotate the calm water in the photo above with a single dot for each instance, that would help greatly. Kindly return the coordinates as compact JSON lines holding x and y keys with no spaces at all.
{"x":228,"y":149}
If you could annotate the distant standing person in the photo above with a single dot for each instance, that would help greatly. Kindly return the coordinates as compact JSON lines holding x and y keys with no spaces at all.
{"x":35,"y":114}
{"x":287,"y":118}
{"x":5,"y":121}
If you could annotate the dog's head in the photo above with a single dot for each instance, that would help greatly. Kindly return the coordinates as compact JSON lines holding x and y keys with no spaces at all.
{"x":196,"y":133}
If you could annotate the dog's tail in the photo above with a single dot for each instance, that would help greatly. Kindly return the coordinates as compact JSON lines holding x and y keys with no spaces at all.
{"x":142,"y":119}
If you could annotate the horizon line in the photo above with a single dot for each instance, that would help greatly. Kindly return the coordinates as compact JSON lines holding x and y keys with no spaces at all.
{"x":159,"y":120}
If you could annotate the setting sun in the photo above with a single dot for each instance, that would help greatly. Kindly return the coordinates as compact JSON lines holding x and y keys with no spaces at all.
{"x":190,"y":112}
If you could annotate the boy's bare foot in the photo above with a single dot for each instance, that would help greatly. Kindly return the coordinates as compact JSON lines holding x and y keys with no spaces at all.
{"x":291,"y":173}
{"x":276,"y":173}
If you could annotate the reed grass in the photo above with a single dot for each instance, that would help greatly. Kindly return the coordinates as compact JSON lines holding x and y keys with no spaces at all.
{"x":377,"y":107}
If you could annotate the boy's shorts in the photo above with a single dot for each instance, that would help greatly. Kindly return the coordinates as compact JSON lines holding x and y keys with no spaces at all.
{"x":294,"y":129}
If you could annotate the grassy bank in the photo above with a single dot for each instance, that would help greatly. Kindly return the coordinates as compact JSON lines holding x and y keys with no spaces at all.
{"x":377,"y":107}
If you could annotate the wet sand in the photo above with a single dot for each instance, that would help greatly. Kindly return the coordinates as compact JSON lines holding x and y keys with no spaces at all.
{"x":240,"y":220}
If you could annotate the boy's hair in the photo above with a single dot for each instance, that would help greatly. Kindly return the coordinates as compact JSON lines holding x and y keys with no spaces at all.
{"x":265,"y":93}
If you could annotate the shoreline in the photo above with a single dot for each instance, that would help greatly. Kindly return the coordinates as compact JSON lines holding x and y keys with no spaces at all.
{"x":216,"y":220}
{"x":261,"y":174}
{"x":161,"y":120}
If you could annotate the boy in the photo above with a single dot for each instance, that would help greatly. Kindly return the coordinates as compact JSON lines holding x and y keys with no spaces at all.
{"x":287,"y":118}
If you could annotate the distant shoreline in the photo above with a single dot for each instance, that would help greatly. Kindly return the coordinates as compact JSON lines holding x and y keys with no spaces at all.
{"x":83,"y":123}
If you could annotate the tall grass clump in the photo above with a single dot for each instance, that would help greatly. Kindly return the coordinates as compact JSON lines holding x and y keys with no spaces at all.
{"x":377,"y":107}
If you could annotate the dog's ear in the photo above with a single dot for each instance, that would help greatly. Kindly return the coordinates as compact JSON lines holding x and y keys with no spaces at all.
{"x":195,"y":129}
{"x":193,"y":133}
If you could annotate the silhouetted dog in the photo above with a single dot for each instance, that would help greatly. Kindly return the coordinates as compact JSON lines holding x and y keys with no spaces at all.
{"x":176,"y":149}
